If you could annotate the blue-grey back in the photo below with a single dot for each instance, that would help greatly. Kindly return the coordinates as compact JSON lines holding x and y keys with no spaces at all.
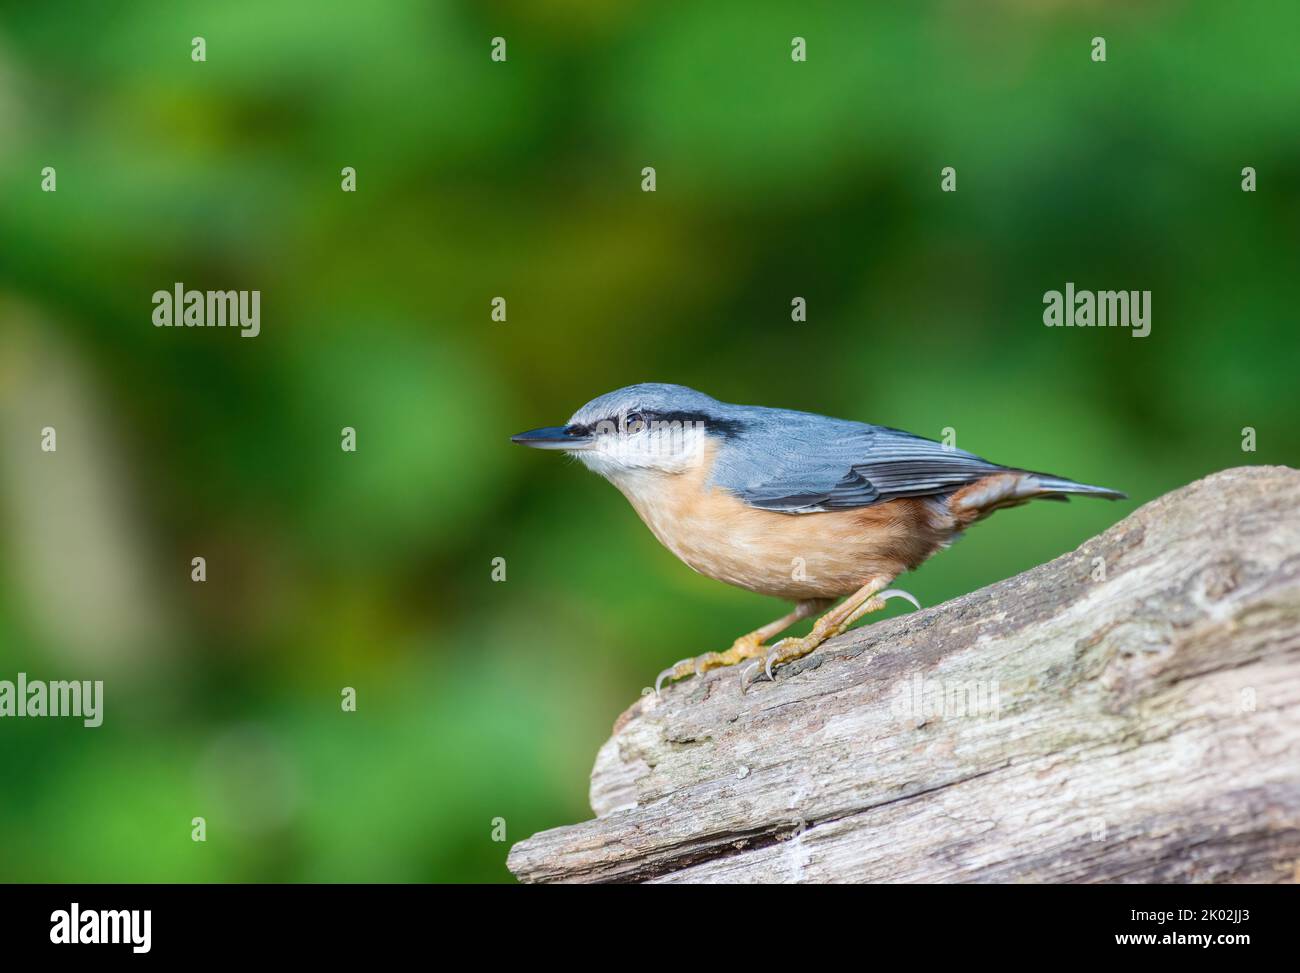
{"x":800,"y":462}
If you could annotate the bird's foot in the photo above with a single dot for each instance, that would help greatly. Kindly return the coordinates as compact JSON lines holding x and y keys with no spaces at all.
{"x":789,"y":649}
{"x":746,"y":647}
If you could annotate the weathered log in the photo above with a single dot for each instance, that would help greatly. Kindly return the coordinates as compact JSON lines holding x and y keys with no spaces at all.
{"x":1127,"y":712}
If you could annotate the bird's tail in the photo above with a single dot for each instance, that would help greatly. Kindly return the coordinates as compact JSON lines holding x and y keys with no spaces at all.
{"x":1046,"y":486}
{"x":1011,"y":488}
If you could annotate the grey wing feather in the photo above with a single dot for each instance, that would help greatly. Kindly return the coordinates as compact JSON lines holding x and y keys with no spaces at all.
{"x":798,"y":462}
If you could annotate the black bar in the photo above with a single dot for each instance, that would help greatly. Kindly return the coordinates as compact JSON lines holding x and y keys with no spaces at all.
{"x":335,"y":922}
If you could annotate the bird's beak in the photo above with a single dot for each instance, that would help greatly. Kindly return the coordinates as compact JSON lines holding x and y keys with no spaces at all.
{"x":552,"y":437}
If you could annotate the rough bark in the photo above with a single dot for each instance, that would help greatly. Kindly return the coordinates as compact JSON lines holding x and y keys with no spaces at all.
{"x":1127,"y":712}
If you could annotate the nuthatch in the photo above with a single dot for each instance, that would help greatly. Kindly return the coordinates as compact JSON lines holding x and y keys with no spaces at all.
{"x":790,"y":504}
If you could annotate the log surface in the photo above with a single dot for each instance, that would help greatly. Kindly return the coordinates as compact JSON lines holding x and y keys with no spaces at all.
{"x":1127,"y":712}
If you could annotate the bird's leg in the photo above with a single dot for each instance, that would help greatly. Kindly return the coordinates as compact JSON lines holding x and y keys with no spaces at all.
{"x":866,"y":599}
{"x":745,"y":647}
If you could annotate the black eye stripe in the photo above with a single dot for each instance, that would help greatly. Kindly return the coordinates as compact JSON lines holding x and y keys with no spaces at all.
{"x":687,"y":419}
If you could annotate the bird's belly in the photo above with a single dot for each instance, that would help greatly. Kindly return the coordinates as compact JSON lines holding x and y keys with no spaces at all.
{"x":796,"y":556}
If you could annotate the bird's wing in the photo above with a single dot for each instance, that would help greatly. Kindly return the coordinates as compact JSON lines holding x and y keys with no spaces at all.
{"x":802,"y":463}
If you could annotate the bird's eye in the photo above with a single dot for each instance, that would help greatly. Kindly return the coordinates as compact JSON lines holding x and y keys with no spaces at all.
{"x":634,"y":422}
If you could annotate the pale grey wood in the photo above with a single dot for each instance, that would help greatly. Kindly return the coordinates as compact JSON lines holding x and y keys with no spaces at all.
{"x":1145,"y":727}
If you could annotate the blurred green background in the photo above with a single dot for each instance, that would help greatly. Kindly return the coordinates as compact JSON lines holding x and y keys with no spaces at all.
{"x":480,"y":700}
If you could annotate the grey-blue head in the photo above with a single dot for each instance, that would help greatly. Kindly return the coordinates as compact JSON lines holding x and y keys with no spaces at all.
{"x":647,"y":427}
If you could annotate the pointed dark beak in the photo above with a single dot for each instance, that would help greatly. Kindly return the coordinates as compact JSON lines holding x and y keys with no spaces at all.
{"x":552,"y":437}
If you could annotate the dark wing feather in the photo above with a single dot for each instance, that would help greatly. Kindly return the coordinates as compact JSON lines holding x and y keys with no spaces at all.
{"x":801,"y":463}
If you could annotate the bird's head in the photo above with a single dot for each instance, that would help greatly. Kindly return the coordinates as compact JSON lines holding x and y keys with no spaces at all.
{"x":641,"y":430}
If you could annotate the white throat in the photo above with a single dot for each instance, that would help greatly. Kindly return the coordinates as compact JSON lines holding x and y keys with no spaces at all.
{"x":661,"y":449}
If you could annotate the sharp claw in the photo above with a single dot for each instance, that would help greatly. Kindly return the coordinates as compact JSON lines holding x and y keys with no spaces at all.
{"x":659,"y":679}
{"x":896,"y":593}
{"x":673,"y":672}
{"x":748,"y":674}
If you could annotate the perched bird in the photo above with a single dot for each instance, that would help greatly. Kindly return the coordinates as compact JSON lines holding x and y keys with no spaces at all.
{"x":790,"y":504}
